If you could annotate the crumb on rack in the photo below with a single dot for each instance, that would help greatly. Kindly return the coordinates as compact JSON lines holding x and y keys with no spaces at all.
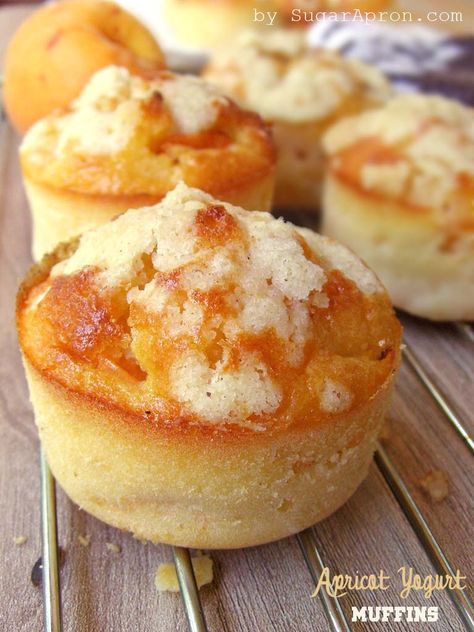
{"x":20,"y":540}
{"x":84,"y":540}
{"x":167,"y":580}
{"x":112,"y":547}
{"x":435,"y":484}
{"x":386,"y":430}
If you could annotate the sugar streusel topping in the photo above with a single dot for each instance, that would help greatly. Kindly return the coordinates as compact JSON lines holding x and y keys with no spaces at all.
{"x":335,"y":397}
{"x":278,"y":75}
{"x":106,"y":118}
{"x":221,"y":297}
{"x":422,"y":149}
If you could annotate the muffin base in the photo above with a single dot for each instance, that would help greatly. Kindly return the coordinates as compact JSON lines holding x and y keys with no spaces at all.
{"x":428,"y":272}
{"x":196,"y":486}
{"x":59,"y":215}
{"x":300,"y":167}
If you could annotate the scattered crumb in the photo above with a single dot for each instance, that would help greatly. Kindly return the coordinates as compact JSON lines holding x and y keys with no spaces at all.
{"x":20,"y":540}
{"x":167,"y":580}
{"x":84,"y":540}
{"x":114,"y":548}
{"x":436,"y":485}
{"x":62,"y":556}
{"x":386,"y":430}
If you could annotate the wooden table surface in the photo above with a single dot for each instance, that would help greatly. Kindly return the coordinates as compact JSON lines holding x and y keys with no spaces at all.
{"x":257,"y":589}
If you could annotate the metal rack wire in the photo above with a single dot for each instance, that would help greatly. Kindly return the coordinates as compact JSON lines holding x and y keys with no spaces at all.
{"x":336,"y":617}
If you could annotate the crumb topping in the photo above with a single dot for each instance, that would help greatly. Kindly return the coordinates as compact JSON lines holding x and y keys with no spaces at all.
{"x":107,"y":116}
{"x":416,"y":148}
{"x":335,"y":397}
{"x":344,"y":260}
{"x":277,"y":74}
{"x":215,"y":310}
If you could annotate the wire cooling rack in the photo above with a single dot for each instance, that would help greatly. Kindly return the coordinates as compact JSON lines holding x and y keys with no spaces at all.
{"x":314,"y":557}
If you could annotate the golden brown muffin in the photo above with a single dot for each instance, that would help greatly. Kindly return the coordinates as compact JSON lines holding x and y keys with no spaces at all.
{"x":399,"y":192}
{"x":301,"y":91}
{"x":207,"y":376}
{"x":211,"y":23}
{"x":303,"y":13}
{"x":127,"y":141}
{"x":61,"y":45}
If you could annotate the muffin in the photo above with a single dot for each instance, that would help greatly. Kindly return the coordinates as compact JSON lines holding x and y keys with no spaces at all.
{"x":207,"y":376}
{"x":399,"y":192}
{"x":301,"y":91}
{"x":59,"y":47}
{"x":126,"y":141}
{"x":208,"y":24}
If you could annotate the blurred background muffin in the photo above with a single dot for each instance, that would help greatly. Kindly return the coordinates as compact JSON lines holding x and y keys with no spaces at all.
{"x":399,"y":192}
{"x":299,"y":90}
{"x":126,"y":141}
{"x":210,"y":24}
